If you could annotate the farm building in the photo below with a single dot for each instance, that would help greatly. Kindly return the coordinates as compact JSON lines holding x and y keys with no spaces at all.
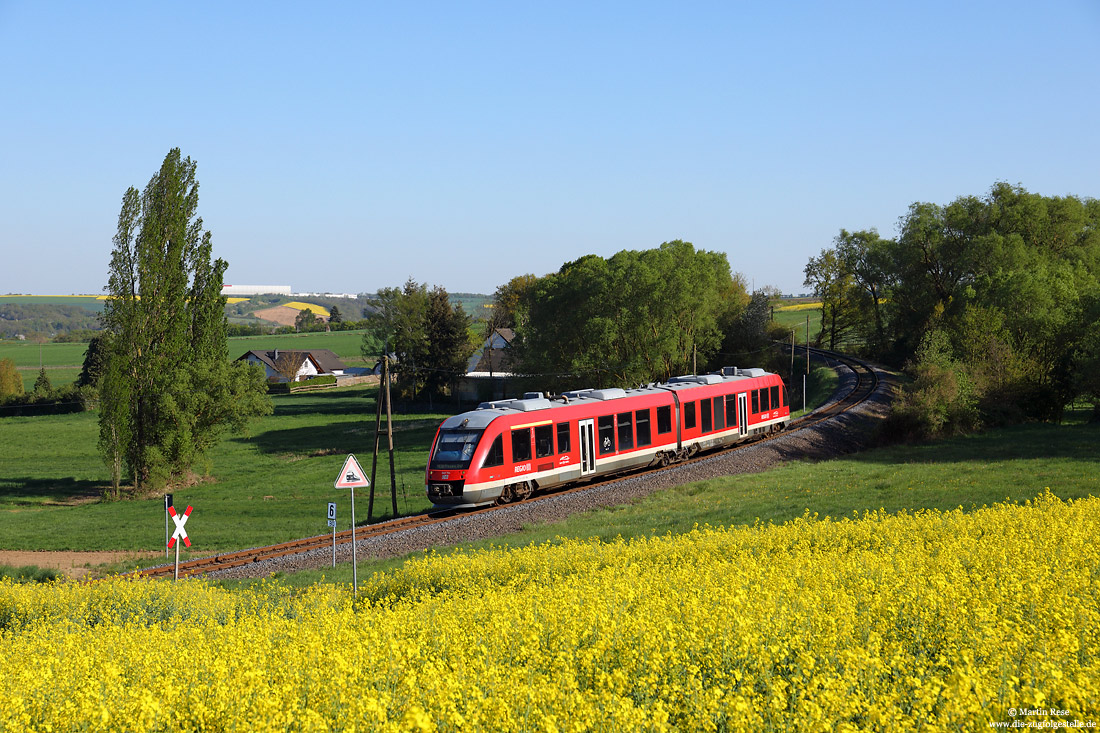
{"x":286,"y":365}
{"x":489,"y":370}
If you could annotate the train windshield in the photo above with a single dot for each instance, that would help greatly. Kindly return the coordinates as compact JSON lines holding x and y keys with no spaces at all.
{"x":455,"y":448}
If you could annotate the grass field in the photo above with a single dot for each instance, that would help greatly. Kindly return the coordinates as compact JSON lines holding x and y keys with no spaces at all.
{"x":63,"y":361}
{"x":344,"y":344}
{"x":269,"y":487}
{"x":88,"y":302}
{"x":796,"y":319}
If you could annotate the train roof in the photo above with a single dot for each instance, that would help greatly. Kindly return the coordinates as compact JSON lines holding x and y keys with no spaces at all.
{"x":486,"y":412}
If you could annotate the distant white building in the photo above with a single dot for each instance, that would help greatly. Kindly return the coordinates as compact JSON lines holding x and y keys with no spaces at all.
{"x":256,"y":289}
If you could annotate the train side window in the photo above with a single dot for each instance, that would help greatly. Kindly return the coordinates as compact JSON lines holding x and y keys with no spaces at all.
{"x":706,"y":417}
{"x":563,"y":437}
{"x":521,"y":445}
{"x":764,"y":406}
{"x":689,"y":416}
{"x":626,"y":430}
{"x":495,"y":456}
{"x":731,"y":410}
{"x":605,"y":430}
{"x":719,"y":414}
{"x":755,"y":401}
{"x":544,"y":441}
{"x":664,"y":419}
{"x":641,"y":421}
{"x":775,"y":396}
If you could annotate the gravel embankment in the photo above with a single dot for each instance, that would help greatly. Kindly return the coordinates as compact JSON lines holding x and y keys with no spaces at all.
{"x":842,"y":434}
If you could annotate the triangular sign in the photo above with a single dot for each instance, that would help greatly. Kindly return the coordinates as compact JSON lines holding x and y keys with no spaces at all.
{"x":351,"y":475}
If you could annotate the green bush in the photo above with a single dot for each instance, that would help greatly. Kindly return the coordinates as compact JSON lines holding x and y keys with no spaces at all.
{"x":942,"y":398}
{"x":29,"y":574}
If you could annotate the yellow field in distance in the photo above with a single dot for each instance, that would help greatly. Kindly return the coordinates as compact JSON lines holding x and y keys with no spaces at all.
{"x":317,"y":310}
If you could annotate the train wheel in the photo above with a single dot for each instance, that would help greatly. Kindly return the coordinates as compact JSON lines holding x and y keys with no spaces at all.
{"x":523,"y":490}
{"x":506,"y":495}
{"x":664,"y":460}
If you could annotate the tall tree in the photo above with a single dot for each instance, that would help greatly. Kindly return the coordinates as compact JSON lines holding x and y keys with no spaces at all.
{"x":428,"y":338}
{"x":11,"y":383}
{"x":636,"y":317}
{"x":866,"y":256}
{"x":167,"y":391}
{"x":834,"y":286}
{"x":448,"y":347}
{"x":94,"y":360}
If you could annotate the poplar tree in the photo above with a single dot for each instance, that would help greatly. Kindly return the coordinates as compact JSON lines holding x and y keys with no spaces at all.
{"x":167,"y":390}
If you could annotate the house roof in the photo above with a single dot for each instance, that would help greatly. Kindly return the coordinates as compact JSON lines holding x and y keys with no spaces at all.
{"x":495,"y":359}
{"x":325,"y":359}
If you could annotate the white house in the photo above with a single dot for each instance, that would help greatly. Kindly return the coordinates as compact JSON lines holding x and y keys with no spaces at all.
{"x":278,"y":362}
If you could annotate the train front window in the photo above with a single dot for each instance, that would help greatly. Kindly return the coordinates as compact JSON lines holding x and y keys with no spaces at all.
{"x":455,"y":448}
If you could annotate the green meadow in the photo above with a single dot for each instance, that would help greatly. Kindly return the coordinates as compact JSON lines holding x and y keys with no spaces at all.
{"x":63,"y":360}
{"x":263,"y":488}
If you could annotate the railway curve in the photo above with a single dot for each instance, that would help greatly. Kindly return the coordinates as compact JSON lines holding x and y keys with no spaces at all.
{"x":841,"y":425}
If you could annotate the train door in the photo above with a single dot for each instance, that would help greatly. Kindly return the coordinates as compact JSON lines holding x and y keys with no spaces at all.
{"x":743,"y":413}
{"x":588,"y":447}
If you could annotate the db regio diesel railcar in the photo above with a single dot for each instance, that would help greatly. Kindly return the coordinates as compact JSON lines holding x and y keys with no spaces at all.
{"x":505,"y":450}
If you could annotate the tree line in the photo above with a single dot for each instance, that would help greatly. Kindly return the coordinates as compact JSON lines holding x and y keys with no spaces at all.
{"x":636,"y":317}
{"x":991,"y":302}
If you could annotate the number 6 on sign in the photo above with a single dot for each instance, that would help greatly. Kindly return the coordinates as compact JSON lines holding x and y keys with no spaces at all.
{"x":180,"y":520}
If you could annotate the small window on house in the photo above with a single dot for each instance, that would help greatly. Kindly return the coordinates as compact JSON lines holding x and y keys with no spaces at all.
{"x":626,"y":430}
{"x":495,"y":456}
{"x":755,"y":401}
{"x":731,"y":410}
{"x":544,"y":441}
{"x":719,"y":414}
{"x":563,"y":437}
{"x":641,"y":422}
{"x":605,"y":431}
{"x":664,"y":419}
{"x":521,"y":445}
{"x":707,"y":418}
{"x":775,"y":396}
{"x":689,"y":416}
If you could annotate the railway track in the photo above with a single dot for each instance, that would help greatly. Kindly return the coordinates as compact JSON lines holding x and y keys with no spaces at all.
{"x":864,"y":382}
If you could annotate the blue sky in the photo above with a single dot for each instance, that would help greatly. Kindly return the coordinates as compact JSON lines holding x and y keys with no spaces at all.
{"x":348,"y":147}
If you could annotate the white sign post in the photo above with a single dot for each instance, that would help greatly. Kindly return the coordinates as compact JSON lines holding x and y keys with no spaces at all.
{"x":180,"y":533}
{"x":167,"y":531}
{"x":352,"y":477}
{"x":332,"y":523}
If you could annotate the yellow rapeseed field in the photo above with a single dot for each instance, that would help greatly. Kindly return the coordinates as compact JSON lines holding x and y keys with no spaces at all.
{"x":317,"y":310}
{"x":926,"y":621}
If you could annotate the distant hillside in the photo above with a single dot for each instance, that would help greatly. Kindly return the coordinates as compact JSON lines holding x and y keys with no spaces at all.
{"x":48,"y":315}
{"x":53,"y":316}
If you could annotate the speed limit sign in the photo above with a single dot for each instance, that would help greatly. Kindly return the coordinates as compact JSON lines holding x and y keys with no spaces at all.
{"x":332,"y":514}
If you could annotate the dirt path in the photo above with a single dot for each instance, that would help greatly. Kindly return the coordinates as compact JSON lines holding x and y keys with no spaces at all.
{"x":73,"y":564}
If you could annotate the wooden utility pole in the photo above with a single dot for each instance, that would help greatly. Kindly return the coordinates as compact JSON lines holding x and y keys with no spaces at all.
{"x":807,"y":344}
{"x":792,"y":358}
{"x":383,"y":396}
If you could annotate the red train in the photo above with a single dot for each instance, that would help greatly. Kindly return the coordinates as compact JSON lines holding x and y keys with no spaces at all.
{"x":503,"y":451}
